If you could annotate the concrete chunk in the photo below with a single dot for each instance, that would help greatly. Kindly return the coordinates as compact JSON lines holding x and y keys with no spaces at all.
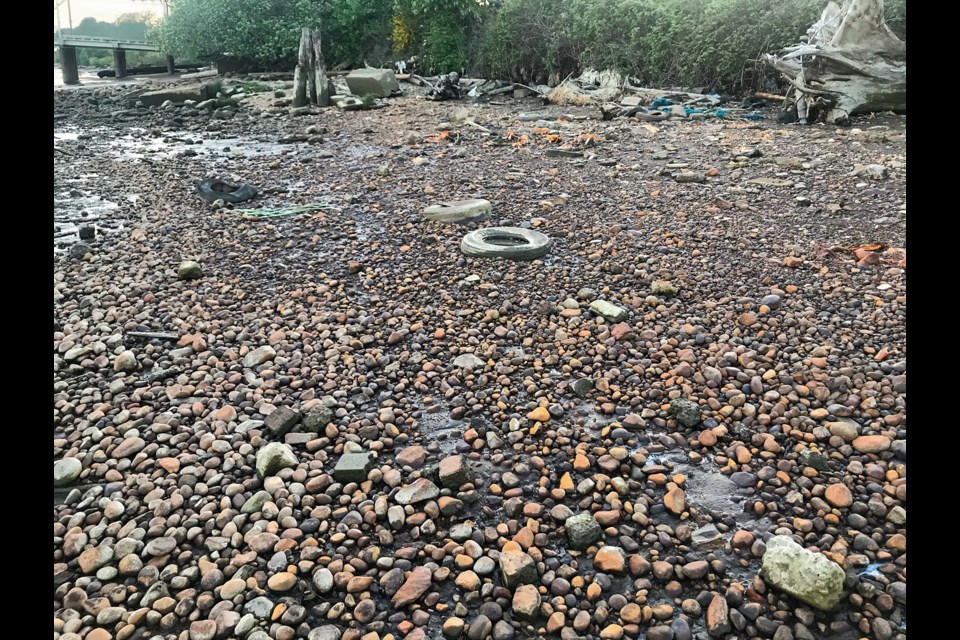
{"x":353,"y":467}
{"x":198,"y":92}
{"x":379,"y":82}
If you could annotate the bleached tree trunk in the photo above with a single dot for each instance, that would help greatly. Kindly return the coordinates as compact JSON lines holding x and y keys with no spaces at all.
{"x":851,"y":63}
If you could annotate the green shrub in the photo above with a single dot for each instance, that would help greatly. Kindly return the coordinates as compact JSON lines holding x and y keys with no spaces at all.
{"x":694,"y":43}
{"x":265,"y":30}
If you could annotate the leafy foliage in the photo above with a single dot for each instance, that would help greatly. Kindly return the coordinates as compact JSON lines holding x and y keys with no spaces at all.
{"x":266,"y":30}
{"x":693,"y":43}
{"x":702,"y":43}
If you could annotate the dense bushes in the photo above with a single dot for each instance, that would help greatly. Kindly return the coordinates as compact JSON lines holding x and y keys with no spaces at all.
{"x":694,"y":43}
{"x":705,"y":43}
{"x":266,"y":30}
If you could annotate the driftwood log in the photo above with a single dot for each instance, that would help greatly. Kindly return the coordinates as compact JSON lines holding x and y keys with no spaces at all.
{"x":310,"y":82}
{"x":851,"y":62}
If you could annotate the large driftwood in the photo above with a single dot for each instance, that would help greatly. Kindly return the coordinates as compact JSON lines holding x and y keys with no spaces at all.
{"x":310,"y":82}
{"x":850,"y":63}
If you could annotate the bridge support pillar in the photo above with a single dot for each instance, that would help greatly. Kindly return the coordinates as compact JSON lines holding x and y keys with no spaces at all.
{"x":170,"y":66}
{"x":120,"y":63}
{"x":68,"y":65}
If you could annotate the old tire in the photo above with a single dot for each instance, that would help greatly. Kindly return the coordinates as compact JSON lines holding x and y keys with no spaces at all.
{"x":215,"y":189}
{"x":512,"y":243}
{"x":457,"y":210}
{"x":651,"y":116}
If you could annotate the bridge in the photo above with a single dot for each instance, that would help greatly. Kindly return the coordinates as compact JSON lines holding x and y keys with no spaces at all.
{"x":68,"y":45}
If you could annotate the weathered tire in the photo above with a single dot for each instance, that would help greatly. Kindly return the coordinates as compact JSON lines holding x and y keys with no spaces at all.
{"x":215,"y":189}
{"x":512,"y":243}
{"x":651,"y":116}
{"x":457,"y":210}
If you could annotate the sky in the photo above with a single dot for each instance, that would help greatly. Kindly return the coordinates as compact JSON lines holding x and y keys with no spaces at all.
{"x":105,"y":10}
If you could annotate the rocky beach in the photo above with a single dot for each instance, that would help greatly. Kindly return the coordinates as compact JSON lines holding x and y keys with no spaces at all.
{"x":686,"y":420}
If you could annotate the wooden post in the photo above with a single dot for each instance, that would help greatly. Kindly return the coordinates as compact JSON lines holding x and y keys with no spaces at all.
{"x":302,"y":72}
{"x":322,"y":98}
{"x":310,"y":83}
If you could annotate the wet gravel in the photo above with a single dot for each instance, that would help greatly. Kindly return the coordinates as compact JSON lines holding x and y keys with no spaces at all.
{"x":757,"y":385}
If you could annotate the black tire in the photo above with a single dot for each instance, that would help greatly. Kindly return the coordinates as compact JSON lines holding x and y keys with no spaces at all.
{"x":513,"y":243}
{"x":214,"y":189}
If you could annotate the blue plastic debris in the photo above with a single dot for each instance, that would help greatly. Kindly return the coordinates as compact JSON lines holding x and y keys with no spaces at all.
{"x":719,"y":113}
{"x":753,"y":116}
{"x":689,"y":110}
{"x":661,"y":102}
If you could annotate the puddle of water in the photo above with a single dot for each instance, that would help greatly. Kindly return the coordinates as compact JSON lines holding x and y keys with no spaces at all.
{"x":70,"y":213}
{"x":440,"y":428}
{"x":140,"y":146}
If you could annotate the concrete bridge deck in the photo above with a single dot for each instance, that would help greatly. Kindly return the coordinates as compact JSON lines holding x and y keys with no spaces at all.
{"x":69,"y":44}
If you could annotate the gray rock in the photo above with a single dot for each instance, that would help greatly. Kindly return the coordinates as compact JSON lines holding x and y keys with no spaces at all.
{"x":396,"y":516}
{"x":461,"y":532}
{"x":806,"y":575}
{"x":160,"y":546}
{"x":156,"y":591}
{"x":189,"y":270}
{"x":610,"y":311}
{"x":353,"y":467}
{"x":79,"y":250}
{"x":255,"y":502}
{"x":503,"y":630}
{"x":516,"y":568}
{"x":484,"y":566}
{"x":66,"y":471}
{"x":281,"y":420}
{"x":582,"y":387}
{"x":872,"y":171}
{"x":274,"y":457}
{"x":453,"y":471}
{"x":259,"y":356}
{"x":469,"y":361}
{"x":897,"y":515}
{"x":126,"y":361}
{"x":813,"y":459}
{"x":326,"y":632}
{"x":582,"y":531}
{"x":743,"y":479}
{"x":707,"y":536}
{"x":773,"y":301}
{"x":688,"y":177}
{"x":260,"y":607}
{"x":317,"y":418}
{"x":77,"y":353}
{"x":323,"y":580}
{"x":480,"y":628}
{"x":686,"y":411}
{"x":420,"y":491}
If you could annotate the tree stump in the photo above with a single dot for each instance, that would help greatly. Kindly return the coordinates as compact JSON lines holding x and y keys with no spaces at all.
{"x":310,"y":82}
{"x":850,"y":63}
